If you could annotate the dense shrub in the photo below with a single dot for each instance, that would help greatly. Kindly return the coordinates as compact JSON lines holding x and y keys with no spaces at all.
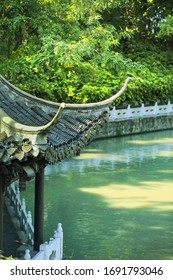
{"x":83,"y":52}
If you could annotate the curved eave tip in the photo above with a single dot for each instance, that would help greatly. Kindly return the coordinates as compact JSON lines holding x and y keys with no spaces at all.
{"x":62,"y":105}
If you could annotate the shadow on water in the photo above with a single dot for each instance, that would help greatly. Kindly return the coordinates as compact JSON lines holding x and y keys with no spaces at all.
{"x":115,"y":201}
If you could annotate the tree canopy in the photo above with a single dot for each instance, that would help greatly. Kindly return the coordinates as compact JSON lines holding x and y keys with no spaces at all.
{"x":83,"y":50}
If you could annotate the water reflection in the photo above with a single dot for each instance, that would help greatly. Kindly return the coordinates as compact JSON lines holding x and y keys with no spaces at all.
{"x":149,"y":194}
{"x":115,"y":201}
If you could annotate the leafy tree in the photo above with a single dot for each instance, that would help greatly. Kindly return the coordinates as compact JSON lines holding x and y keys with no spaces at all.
{"x":17,"y":22}
{"x":69,"y":50}
{"x":166,"y":29}
{"x":82,"y":50}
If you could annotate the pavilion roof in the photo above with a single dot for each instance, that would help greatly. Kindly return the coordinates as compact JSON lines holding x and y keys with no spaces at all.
{"x":32,"y":127}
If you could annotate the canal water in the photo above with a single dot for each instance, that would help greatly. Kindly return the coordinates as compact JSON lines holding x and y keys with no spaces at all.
{"x":115,"y":201}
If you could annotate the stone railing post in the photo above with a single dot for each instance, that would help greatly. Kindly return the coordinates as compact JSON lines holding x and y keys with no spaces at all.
{"x":142,"y":110}
{"x":27,"y":255}
{"x":129,"y":112}
{"x":29,"y":218}
{"x":23,"y":205}
{"x":44,"y":248}
{"x":169,"y":108}
{"x":60,"y":235}
{"x":113,"y":114}
{"x":155,"y":111}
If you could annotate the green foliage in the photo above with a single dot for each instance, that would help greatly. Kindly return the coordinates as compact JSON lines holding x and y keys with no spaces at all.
{"x":166,"y":29}
{"x":2,"y":257}
{"x":82,"y":51}
{"x":153,"y":80}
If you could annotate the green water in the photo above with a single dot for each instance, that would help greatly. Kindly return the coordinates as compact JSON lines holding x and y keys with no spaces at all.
{"x":115,"y":201}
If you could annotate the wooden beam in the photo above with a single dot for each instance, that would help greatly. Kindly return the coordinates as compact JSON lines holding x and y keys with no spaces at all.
{"x":1,"y":208}
{"x":39,"y":206}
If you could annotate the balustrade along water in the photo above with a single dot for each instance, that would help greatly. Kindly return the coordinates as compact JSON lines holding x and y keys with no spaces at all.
{"x":115,"y":201}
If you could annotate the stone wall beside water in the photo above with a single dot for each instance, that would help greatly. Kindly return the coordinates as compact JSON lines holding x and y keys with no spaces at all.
{"x":135,"y":126}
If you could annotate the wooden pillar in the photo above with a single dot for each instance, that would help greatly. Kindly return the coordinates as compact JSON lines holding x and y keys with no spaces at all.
{"x":39,"y":206}
{"x":1,"y":209}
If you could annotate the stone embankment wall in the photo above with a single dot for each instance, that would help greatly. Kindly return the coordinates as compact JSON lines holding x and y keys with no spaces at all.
{"x":135,"y":126}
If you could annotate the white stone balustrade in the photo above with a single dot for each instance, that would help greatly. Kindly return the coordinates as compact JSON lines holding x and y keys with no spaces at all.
{"x":19,"y":207}
{"x":52,"y":250}
{"x":47,"y":251}
{"x":139,"y":112}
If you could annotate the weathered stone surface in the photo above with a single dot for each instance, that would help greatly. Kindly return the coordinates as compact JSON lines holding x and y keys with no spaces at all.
{"x":135,"y":126}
